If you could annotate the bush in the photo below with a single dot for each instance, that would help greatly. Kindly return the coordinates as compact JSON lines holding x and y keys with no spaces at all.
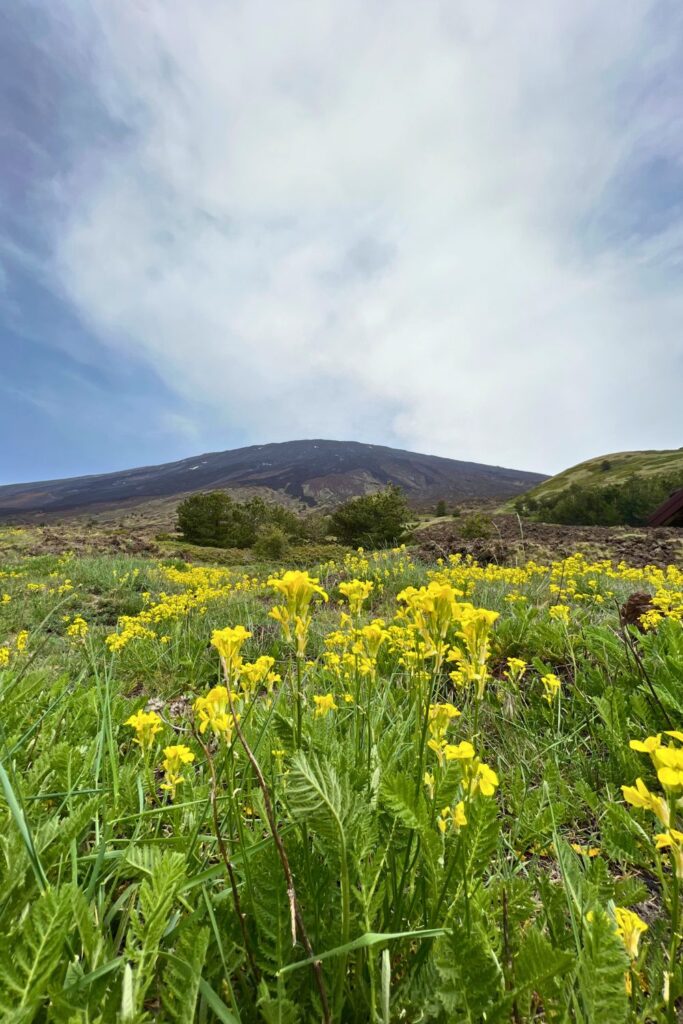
{"x":477,"y":527}
{"x":627,"y":504}
{"x":272,"y":545}
{"x":216,"y":520}
{"x":373,"y":521}
{"x":441,"y":509}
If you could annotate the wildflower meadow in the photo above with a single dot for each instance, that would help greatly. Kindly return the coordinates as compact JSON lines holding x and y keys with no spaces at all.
{"x":375,"y":790}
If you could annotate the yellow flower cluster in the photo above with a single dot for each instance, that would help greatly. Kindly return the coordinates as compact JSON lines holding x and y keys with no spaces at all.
{"x":324,"y":704}
{"x":352,"y":651}
{"x":552,"y":685}
{"x":213,"y":712}
{"x":146,"y":725}
{"x":18,"y":646}
{"x":356,"y":593}
{"x":574,"y":579}
{"x":666,"y":604}
{"x":298,"y":590}
{"x":667,"y":760}
{"x":77,"y":628}
{"x":476,"y":777}
{"x":175,"y":757}
{"x":202,"y":586}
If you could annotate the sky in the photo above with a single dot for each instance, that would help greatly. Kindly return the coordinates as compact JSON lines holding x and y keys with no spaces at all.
{"x":452,"y":226}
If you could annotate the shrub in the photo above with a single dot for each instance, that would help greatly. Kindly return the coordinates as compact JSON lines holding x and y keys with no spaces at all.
{"x":272,"y":545}
{"x":217,"y":520}
{"x":372,"y":521}
{"x":627,"y":504}
{"x":478,"y":526}
{"x":441,"y":509}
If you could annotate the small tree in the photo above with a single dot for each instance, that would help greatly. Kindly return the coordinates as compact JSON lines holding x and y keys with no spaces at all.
{"x":441,"y":509}
{"x":272,"y":544}
{"x":215,"y":520}
{"x":478,"y":526}
{"x":372,"y":521}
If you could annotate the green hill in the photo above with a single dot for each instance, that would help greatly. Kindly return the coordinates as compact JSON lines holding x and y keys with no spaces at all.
{"x":624,"y":487}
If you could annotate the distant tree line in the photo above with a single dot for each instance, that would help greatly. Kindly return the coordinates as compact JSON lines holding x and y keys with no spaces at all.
{"x":215,"y":519}
{"x":630,"y":503}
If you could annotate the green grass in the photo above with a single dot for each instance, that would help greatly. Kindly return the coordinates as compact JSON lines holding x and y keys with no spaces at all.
{"x":119,"y":904}
{"x":622,"y":465}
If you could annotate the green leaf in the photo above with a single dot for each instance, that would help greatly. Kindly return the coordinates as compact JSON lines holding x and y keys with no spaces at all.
{"x":30,"y":959}
{"x":180,"y":989}
{"x":471,"y":985}
{"x":537,"y":968}
{"x":215,"y":1003}
{"x":363,"y":942}
{"x":602,"y":966}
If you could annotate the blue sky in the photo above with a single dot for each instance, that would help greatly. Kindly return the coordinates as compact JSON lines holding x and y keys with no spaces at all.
{"x":458,"y":229}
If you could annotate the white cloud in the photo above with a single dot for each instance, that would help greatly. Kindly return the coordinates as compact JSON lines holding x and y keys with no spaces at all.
{"x":369,"y":219}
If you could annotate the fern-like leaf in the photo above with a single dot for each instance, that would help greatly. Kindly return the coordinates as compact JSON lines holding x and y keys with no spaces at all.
{"x":184,"y":973}
{"x":30,"y":959}
{"x":602,"y":966}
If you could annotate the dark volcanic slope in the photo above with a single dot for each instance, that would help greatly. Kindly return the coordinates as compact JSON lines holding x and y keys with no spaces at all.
{"x":314,"y":471}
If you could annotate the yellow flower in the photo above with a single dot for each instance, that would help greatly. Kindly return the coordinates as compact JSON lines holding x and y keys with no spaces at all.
{"x":669,"y":761}
{"x":78,"y":629}
{"x":4,"y":656}
{"x":560,"y":612}
{"x":673,"y":841}
{"x":146,"y":725}
{"x":551,"y":686}
{"x":428,"y":780}
{"x":373,"y":636}
{"x":516,"y":669}
{"x":356,"y":592}
{"x":213,"y":711}
{"x":174,"y":759}
{"x":640,"y":796}
{"x":475,"y":629}
{"x":629,"y":928}
{"x":324,"y":704}
{"x":440,"y":717}
{"x":21,"y":640}
{"x":454,"y":817}
{"x":586,"y":851}
{"x":647,"y":746}
{"x":228,"y":642}
{"x":484,"y":781}
{"x":463,"y":751}
{"x":432,"y":609}
{"x":258,"y":673}
{"x":298,"y":589}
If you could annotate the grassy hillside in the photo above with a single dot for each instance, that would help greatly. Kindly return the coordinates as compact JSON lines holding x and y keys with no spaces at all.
{"x":623,"y":489}
{"x":613,"y":469}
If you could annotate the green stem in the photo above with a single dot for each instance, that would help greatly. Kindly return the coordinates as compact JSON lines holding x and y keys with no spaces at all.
{"x":299,"y":709}
{"x":673,"y":946}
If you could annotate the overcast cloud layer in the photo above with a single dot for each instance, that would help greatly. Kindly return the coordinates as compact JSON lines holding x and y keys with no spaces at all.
{"x":450,"y":226}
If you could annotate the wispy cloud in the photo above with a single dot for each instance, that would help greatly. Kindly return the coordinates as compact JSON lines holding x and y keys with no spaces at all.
{"x":456,"y":227}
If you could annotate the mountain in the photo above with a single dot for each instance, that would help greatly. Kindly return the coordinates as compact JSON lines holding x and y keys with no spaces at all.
{"x":614,"y":469}
{"x":316,"y":472}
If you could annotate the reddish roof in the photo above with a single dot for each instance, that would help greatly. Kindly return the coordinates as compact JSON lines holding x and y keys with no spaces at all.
{"x":668,"y":510}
